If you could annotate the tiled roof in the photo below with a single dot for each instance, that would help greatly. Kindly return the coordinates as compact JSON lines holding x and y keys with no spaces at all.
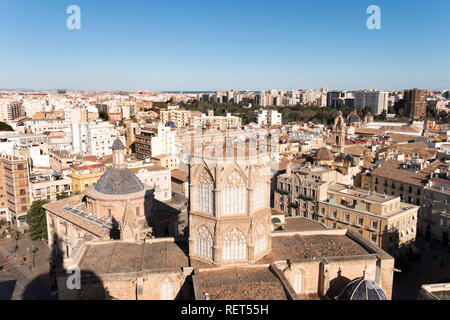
{"x":119,"y":181}
{"x":392,"y":170}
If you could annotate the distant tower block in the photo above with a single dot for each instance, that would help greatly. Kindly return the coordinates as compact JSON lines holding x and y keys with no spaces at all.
{"x":229,"y":214}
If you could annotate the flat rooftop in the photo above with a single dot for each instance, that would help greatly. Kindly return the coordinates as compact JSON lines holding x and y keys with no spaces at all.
{"x":301,"y":224}
{"x":312,"y":247}
{"x":126,"y":257}
{"x":242,"y":283}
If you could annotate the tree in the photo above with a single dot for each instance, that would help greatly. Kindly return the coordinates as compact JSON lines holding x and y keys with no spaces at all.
{"x":37,"y":221}
{"x":62,"y":195}
{"x":5,"y":127}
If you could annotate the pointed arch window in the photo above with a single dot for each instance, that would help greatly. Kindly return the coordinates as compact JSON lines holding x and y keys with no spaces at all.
{"x":205,"y":194}
{"x":204,"y":243}
{"x":235,"y":246}
{"x":260,"y":240}
{"x":234,"y":195}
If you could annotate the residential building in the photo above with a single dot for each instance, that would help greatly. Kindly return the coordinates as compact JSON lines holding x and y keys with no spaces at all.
{"x":47,"y":188}
{"x":434,"y":217}
{"x":267,"y":117}
{"x":15,"y":181}
{"x":156,"y":177}
{"x":384,"y":220}
{"x":86,"y":176}
{"x":415,"y":103}
{"x":378,"y":100}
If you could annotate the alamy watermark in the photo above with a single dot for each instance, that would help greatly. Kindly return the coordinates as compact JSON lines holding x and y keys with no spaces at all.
{"x":374,"y":20}
{"x":73,"y":22}
{"x":74,"y":280}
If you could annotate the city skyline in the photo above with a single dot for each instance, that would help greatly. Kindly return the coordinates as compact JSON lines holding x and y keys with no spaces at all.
{"x":217,"y":46}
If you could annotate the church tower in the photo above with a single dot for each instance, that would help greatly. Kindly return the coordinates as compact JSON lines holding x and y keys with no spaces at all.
{"x":229,"y":213}
{"x":339,"y":131}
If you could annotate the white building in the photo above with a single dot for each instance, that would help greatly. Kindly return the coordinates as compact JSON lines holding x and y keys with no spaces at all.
{"x":378,"y":100}
{"x":270,"y":117}
{"x":94,"y":138}
{"x":156,"y":177}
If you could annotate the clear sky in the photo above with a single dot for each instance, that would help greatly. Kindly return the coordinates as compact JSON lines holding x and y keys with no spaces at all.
{"x":223,"y":45}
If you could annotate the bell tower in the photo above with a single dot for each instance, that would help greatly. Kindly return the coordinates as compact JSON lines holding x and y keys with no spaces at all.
{"x":229,"y":213}
{"x":339,"y":131}
{"x":119,"y":152}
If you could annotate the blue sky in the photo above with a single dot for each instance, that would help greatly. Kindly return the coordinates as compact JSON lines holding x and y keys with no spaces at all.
{"x":222,"y":45}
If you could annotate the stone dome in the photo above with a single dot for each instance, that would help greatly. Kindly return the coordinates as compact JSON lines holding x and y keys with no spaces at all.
{"x":362,"y":289}
{"x":354,"y":118}
{"x":170,"y":124}
{"x":119,"y":181}
{"x":324,"y":154}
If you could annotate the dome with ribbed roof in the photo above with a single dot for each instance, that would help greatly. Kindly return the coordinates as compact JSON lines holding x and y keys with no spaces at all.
{"x":362,"y":289}
{"x":119,"y":181}
{"x":324,"y":154}
{"x":354,"y":118}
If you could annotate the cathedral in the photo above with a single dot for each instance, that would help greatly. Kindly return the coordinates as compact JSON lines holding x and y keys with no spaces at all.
{"x":236,"y":247}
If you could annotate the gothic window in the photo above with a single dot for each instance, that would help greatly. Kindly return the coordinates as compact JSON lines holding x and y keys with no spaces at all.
{"x":260,"y":240}
{"x":259,"y":196}
{"x":235,"y":246}
{"x":298,"y":282}
{"x":167,"y":290}
{"x":205,"y":194}
{"x":204,"y":243}
{"x":234,"y":195}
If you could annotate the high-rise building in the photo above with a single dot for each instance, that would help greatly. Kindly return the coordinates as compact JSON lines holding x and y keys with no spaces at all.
{"x":415,"y":103}
{"x":15,"y":181}
{"x":378,"y":100}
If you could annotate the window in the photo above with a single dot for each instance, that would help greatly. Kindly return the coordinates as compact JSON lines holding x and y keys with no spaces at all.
{"x":334,"y":214}
{"x":334,"y":225}
{"x":234,"y":195}
{"x":361,"y":221}
{"x":347,"y":218}
{"x":235,"y":246}
{"x":374,"y":238}
{"x":204,"y":243}
{"x":375,"y":225}
{"x":298,"y":282}
{"x":109,"y":213}
{"x":205,"y":194}
{"x":138,"y":213}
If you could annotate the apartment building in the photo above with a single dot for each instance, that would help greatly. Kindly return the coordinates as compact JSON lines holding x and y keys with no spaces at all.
{"x":60,"y":160}
{"x":383,"y":219}
{"x":300,"y":188}
{"x":47,"y":188}
{"x":86,"y":176}
{"x":219,"y":122}
{"x":15,"y":181}
{"x":94,"y":138}
{"x":180,"y":117}
{"x":378,"y":100}
{"x":267,"y":117}
{"x":155,"y":141}
{"x":11,"y":110}
{"x":415,"y":103}
{"x":434,"y":216}
{"x":156,"y":177}
{"x":397,"y":179}
{"x":44,"y":125}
